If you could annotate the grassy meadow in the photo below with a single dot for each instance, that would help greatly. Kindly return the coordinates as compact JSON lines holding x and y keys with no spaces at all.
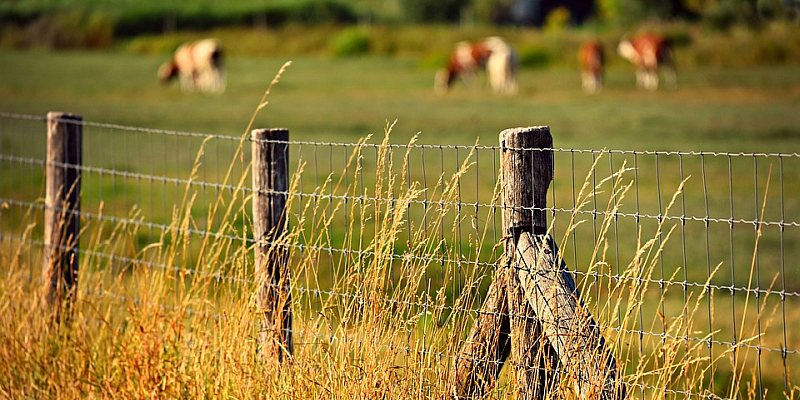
{"x":181,"y":331}
{"x":731,"y":109}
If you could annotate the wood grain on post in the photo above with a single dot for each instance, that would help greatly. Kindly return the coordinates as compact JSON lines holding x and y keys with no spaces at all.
{"x":526,"y":162}
{"x":62,"y":206}
{"x":487,"y":345}
{"x":533,"y":359}
{"x":505,"y":323}
{"x":567,"y":325}
{"x":526,"y":151}
{"x":551,"y":332}
{"x":270,"y":184}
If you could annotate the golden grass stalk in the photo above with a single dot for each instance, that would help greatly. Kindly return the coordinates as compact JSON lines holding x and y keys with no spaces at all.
{"x":178,"y":318}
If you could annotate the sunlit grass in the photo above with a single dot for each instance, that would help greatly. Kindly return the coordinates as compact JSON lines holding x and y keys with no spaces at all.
{"x":178,"y":317}
{"x":165,"y":313}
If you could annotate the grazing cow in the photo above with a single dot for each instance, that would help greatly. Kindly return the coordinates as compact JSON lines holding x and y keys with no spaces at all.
{"x":501,"y":67}
{"x":592,"y":61}
{"x":198,"y":66}
{"x":649,"y":54}
{"x":492,"y":54}
{"x":465,"y":60}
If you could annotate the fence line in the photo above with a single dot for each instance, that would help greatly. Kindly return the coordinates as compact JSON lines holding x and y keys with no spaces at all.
{"x":718,"y":218}
{"x":178,"y":181}
{"x":168,"y":132}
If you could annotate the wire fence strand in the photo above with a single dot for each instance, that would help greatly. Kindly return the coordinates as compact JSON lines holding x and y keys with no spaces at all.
{"x":665,"y":246}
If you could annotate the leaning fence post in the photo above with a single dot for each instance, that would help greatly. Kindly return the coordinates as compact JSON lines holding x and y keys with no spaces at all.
{"x":566,"y":322}
{"x":533,"y":309}
{"x":487,"y":345}
{"x":270,"y":185}
{"x":62,"y":207}
{"x":506,"y":324}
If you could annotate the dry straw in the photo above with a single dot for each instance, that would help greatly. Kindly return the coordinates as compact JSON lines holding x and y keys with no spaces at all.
{"x":370,"y":326}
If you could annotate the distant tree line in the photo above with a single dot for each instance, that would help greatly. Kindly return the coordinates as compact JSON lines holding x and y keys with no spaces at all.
{"x":157,"y":16}
{"x":97,"y":23}
{"x":718,"y":13}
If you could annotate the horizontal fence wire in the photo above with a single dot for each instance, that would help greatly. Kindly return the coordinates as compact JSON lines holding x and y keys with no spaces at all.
{"x":666,"y":247}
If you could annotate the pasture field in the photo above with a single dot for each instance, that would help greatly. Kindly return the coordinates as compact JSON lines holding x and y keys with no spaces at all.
{"x":750,"y":110}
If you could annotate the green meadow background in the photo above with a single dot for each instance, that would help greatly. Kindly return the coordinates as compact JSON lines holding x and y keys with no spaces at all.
{"x":738,"y":92}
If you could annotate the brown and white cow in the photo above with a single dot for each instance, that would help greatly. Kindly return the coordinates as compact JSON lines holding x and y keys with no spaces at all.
{"x":501,"y":67}
{"x":198,"y":66}
{"x":650,"y":54}
{"x":591,"y":57}
{"x":493,"y":55}
{"x":464,"y":63}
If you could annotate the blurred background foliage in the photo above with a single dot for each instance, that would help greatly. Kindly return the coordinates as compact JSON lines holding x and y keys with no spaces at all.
{"x":712,"y":32}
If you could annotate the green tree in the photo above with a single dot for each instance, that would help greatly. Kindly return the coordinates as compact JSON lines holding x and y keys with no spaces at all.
{"x":434,"y":10}
{"x":770,"y":9}
{"x":740,"y":12}
{"x":493,"y":11}
{"x":557,"y":20}
{"x":700,"y":7}
{"x":628,"y":12}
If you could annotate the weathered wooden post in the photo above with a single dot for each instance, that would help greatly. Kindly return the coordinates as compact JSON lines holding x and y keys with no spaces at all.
{"x":487,"y":345}
{"x":566,"y":324}
{"x":533,"y":311}
{"x":526,"y":164}
{"x":270,"y":185}
{"x":506,"y":324}
{"x":566,"y":333}
{"x":62,"y":207}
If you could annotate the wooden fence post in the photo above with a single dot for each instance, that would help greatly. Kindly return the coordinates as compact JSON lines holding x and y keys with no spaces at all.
{"x":526,"y":173}
{"x":566,"y":323}
{"x":487,"y":345}
{"x":505,"y":324}
{"x":62,"y":207}
{"x":564,"y":336}
{"x":270,"y":185}
{"x":533,"y":311}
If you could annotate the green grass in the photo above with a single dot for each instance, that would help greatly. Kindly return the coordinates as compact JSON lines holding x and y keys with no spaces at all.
{"x":748,"y":109}
{"x":342,"y":100}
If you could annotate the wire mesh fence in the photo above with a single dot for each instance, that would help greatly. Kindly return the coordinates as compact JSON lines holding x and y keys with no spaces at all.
{"x":684,"y":258}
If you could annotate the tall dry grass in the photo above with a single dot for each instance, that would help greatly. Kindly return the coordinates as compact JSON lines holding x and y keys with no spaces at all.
{"x":179,"y":318}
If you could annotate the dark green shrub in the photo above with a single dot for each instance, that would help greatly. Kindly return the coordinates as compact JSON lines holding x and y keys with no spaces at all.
{"x":771,"y":52}
{"x":733,"y":12}
{"x":535,"y":57}
{"x":99,"y":30}
{"x":433,"y":11}
{"x":71,"y":29}
{"x":679,"y":37}
{"x":350,"y":42}
{"x":47,"y":20}
{"x":315,"y":12}
{"x":770,"y":9}
{"x":494,"y":11}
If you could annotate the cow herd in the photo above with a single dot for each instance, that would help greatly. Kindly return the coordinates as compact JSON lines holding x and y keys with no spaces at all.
{"x":649,"y":53}
{"x":198,"y":65}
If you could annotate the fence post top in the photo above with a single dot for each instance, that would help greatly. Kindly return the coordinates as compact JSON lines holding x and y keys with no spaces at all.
{"x":281,"y":134}
{"x":543,"y":129}
{"x":51,"y":115}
